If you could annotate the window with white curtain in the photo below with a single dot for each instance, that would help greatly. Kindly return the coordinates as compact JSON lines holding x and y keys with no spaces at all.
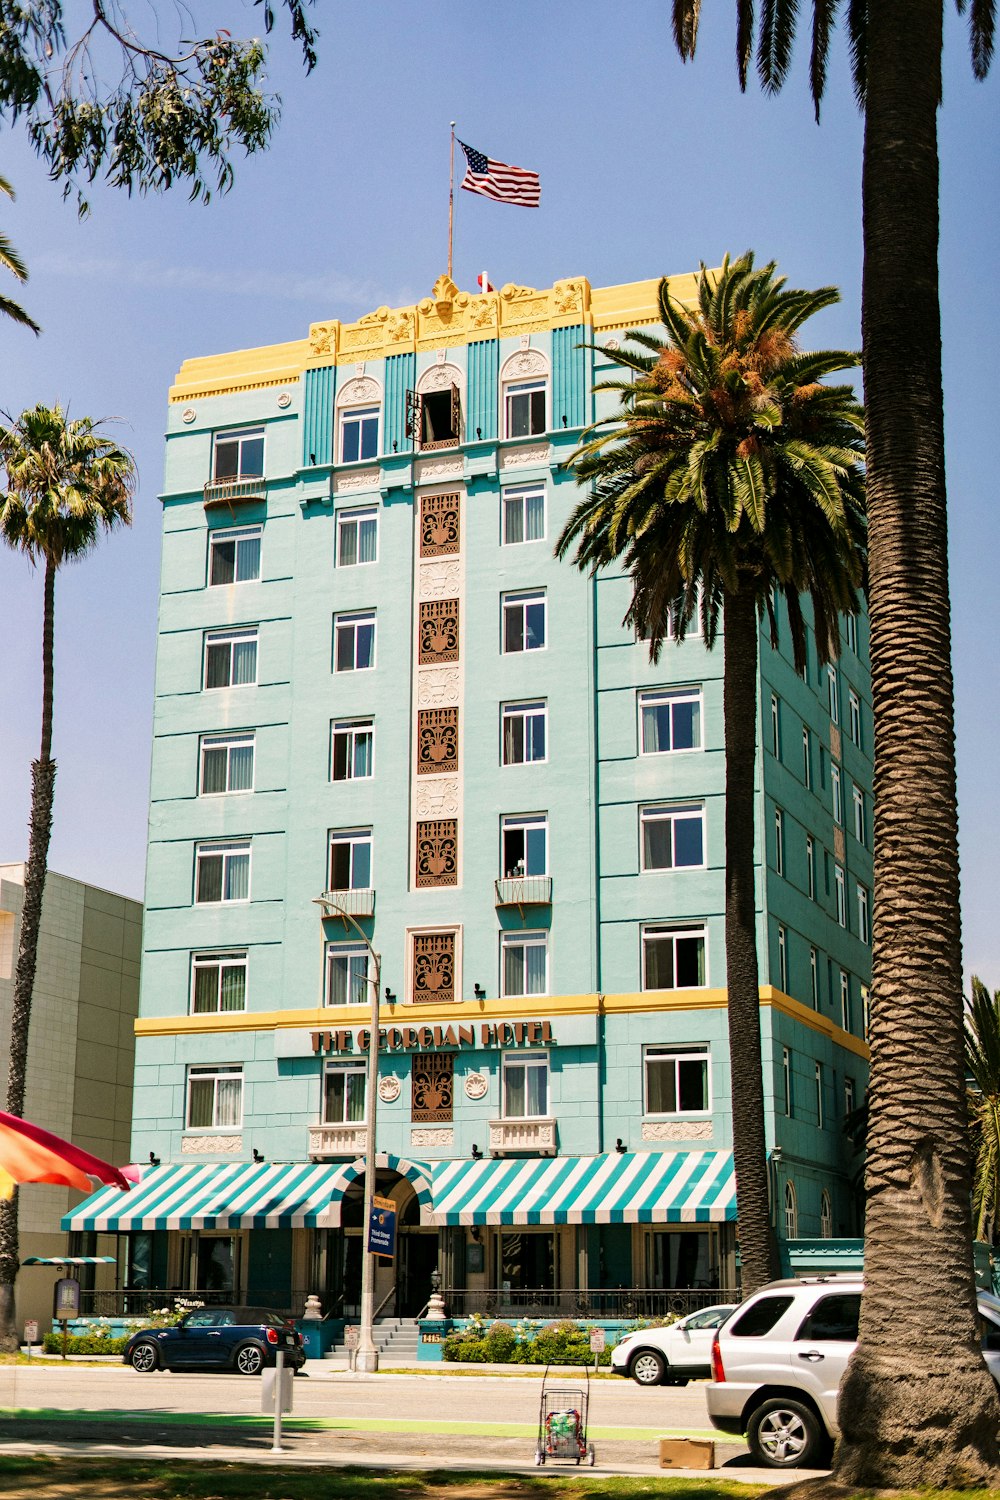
{"x":215,"y":1098}
{"x":525,"y":1085}
{"x":523,"y":511}
{"x":344,"y":1091}
{"x":234,"y":555}
{"x":226,"y":763}
{"x":357,"y":537}
{"x":231,"y":658}
{"x":218,"y":981}
{"x":523,"y":963}
{"x":222,"y":872}
{"x":347,"y":974}
{"x":352,"y":749}
{"x":522,"y":733}
{"x":669,"y":719}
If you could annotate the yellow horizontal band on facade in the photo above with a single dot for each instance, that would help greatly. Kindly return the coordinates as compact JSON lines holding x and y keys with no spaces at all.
{"x":806,"y":1016}
{"x":447,"y":318}
{"x":542,"y":1007}
{"x":330,"y":1017}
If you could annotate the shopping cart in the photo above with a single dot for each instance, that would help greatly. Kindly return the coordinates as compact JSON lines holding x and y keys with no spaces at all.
{"x":562,"y":1422}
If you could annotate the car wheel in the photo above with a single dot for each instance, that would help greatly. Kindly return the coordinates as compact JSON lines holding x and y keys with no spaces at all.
{"x":648,"y":1367}
{"x":249,"y":1360}
{"x":786,"y":1435}
{"x":144,"y":1358}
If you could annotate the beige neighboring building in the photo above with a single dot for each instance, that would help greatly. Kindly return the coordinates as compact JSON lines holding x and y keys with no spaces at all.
{"x":81,"y":1050}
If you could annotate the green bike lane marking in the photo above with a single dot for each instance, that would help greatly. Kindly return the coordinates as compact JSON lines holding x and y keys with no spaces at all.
{"x":342,"y":1424}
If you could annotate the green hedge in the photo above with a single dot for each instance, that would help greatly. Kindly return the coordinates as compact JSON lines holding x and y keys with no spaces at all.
{"x":88,"y":1343}
{"x":555,"y":1344}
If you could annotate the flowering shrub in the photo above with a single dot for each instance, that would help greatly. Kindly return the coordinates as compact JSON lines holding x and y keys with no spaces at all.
{"x":528,"y":1343}
{"x":84,"y":1343}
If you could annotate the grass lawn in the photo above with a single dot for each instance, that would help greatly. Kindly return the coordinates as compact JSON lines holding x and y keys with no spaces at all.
{"x":46,"y":1478}
{"x":166,"y":1479}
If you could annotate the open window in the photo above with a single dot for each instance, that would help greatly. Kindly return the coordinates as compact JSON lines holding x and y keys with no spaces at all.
{"x":434,"y":418}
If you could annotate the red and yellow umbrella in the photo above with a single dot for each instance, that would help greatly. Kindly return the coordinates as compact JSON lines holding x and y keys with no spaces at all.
{"x":30,"y":1154}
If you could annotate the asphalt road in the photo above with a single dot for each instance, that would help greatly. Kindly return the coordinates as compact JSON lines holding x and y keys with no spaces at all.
{"x":438,"y":1399}
{"x":471,"y":1422}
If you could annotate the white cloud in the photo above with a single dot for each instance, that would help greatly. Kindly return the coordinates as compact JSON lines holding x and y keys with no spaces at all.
{"x":331,"y":288}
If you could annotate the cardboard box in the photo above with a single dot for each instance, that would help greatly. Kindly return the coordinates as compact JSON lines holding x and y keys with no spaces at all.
{"x":687,"y":1453}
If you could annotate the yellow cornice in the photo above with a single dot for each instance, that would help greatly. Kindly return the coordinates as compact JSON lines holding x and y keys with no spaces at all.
{"x":333,"y":1017}
{"x":449,"y":316}
{"x":811,"y":1018}
{"x":242,"y":370}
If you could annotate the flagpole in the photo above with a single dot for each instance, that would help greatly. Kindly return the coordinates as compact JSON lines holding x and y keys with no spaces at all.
{"x":451,"y":200}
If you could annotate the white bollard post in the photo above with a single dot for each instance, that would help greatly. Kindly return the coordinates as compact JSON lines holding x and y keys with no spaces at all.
{"x":279,"y":1370}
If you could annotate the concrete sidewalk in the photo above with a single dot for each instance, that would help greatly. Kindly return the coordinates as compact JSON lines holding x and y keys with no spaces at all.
{"x":505,"y":1456}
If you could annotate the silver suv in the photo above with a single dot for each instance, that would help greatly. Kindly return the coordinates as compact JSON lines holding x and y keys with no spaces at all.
{"x":777,"y":1364}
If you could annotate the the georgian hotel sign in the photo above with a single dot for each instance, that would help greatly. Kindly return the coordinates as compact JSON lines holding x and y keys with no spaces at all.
{"x":428,"y":1038}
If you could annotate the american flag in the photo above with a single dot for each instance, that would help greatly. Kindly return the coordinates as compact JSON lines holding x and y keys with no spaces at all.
{"x":495,"y":179}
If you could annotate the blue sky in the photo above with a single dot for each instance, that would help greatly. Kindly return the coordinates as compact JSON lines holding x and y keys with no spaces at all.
{"x":648,"y":166}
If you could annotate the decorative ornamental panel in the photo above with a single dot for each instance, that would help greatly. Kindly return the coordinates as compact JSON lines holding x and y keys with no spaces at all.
{"x":434,"y":966}
{"x":437,"y":740}
{"x":437,"y":852}
{"x":433,"y":1077}
{"x":439,"y":525}
{"x":439,"y":631}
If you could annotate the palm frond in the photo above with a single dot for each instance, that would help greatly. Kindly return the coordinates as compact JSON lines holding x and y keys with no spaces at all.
{"x":686,"y":15}
{"x":982,"y":31}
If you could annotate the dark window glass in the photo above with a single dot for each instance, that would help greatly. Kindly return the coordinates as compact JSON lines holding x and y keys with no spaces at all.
{"x":759,"y":1319}
{"x":223,"y":562}
{"x":833,"y":1319}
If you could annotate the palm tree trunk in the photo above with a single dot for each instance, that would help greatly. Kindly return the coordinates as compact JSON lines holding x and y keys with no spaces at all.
{"x":758,"y":1247}
{"x":918,"y":1406}
{"x":43,"y":776}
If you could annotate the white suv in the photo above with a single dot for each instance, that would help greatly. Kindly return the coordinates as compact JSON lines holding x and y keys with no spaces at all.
{"x":777,"y":1364}
{"x":672,"y":1355}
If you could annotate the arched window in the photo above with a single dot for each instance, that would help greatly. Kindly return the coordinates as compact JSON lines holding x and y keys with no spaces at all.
{"x":524,"y":382}
{"x":791,"y":1213}
{"x":359,"y":404}
{"x":825,"y":1215}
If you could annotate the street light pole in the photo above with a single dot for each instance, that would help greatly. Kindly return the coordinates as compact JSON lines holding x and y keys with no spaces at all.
{"x":366,"y":1359}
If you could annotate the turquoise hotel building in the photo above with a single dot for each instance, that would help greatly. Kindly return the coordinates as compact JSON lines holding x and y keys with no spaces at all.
{"x":388,"y":721}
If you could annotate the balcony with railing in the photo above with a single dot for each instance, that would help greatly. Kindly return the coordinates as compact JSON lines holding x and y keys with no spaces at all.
{"x":238,"y":489}
{"x":623,"y":1303}
{"x":357,"y":903}
{"x":337,"y":1140}
{"x":524,"y":890}
{"x":537,"y":1135}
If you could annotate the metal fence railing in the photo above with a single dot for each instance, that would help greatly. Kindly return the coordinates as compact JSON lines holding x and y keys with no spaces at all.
{"x":142,"y":1302}
{"x":623,"y":1303}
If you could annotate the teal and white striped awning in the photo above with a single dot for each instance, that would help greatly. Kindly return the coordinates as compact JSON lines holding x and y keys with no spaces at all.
{"x":637,"y":1187}
{"x":230,"y":1195}
{"x":68,"y":1260}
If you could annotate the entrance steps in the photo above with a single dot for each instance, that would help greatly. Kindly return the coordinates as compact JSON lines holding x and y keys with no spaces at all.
{"x":396,"y":1340}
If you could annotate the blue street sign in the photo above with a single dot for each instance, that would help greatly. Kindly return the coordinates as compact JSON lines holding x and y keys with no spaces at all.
{"x":382,"y":1227}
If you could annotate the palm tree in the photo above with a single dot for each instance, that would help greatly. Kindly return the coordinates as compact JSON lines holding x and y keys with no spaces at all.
{"x":12,"y":262}
{"x":917,"y":1405}
{"x":730,"y":476}
{"x":982,"y":1057}
{"x":66,"y":483}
